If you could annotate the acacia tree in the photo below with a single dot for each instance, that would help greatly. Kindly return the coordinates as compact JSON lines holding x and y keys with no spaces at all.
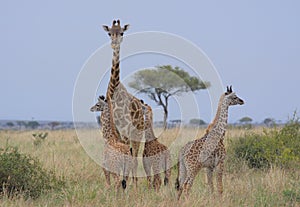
{"x":197,"y":122}
{"x":269,"y":122}
{"x":246,"y":120}
{"x":54,"y":124}
{"x":164,"y":82}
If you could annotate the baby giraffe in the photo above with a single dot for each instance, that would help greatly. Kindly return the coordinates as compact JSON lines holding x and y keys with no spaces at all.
{"x":208,"y":151}
{"x":117,"y":155}
{"x":155,"y":155}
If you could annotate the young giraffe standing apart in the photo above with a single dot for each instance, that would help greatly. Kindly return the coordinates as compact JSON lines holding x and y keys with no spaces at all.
{"x":208,"y":151}
{"x":116,"y":155}
{"x":127,"y":110}
{"x":155,"y":155}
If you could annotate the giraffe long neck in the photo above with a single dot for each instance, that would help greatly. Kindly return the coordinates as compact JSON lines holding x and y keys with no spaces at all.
{"x":220,"y":122}
{"x":212,"y":124}
{"x":108,"y":126}
{"x":115,"y":73}
{"x":149,"y":133}
{"x":217,"y":131}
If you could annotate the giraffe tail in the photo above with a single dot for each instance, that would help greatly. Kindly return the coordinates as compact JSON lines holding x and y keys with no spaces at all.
{"x":166,"y":181}
{"x":124,"y":184}
{"x":177,"y":184}
{"x":124,"y":172}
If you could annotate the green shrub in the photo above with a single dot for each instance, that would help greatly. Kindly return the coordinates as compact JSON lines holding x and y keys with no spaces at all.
{"x":22,"y":174}
{"x":39,"y":138}
{"x":279,"y":147}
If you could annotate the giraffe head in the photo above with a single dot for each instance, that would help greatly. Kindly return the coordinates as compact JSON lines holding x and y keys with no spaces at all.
{"x":116,"y":33}
{"x":144,"y":107}
{"x":231,"y":98}
{"x":147,"y":110}
{"x":99,"y":106}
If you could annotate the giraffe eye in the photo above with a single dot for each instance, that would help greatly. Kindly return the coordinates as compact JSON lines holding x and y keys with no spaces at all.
{"x":121,"y":33}
{"x":109,"y":34}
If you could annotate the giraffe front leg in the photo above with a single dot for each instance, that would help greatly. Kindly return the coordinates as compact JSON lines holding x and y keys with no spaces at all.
{"x":147,"y":168}
{"x":135,"y":149}
{"x":209,"y":174}
{"x":220,"y":169}
{"x":107,"y":177}
{"x":167,"y":176}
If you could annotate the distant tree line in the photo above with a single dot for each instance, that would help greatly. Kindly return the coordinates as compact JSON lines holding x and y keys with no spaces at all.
{"x":31,"y":124}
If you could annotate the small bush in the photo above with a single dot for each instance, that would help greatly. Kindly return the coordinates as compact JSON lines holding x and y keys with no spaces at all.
{"x":279,"y":147}
{"x":22,"y":174}
{"x":39,"y":138}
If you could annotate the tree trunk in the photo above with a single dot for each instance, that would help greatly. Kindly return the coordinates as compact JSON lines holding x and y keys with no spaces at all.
{"x":161,"y":103}
{"x":165,"y":106}
{"x":165,"y":117}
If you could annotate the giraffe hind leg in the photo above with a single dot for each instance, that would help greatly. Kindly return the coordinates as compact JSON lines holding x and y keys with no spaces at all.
{"x":209,"y":175}
{"x":186,"y":185}
{"x":220,"y":169}
{"x":156,"y":172}
{"x":147,"y":168}
{"x":156,"y":182}
{"x":167,"y":167}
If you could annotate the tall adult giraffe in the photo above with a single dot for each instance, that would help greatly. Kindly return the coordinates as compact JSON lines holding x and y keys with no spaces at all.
{"x":127,"y":110}
{"x":208,"y":151}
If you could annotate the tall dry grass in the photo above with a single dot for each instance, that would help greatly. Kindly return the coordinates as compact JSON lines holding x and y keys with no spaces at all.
{"x":85,"y":182}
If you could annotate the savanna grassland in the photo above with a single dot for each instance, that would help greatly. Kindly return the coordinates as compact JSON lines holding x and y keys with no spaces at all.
{"x":84,"y":182}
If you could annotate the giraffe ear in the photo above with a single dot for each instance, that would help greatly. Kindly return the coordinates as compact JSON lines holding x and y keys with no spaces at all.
{"x":106,"y":28}
{"x":126,"y":27}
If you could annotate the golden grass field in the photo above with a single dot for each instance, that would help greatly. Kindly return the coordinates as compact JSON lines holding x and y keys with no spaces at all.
{"x":85,"y":182}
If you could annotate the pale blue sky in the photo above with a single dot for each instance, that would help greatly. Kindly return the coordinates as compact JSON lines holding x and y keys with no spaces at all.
{"x":254,"y":45}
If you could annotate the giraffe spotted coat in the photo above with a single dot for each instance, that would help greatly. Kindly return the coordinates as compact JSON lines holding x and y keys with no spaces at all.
{"x":208,"y":151}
